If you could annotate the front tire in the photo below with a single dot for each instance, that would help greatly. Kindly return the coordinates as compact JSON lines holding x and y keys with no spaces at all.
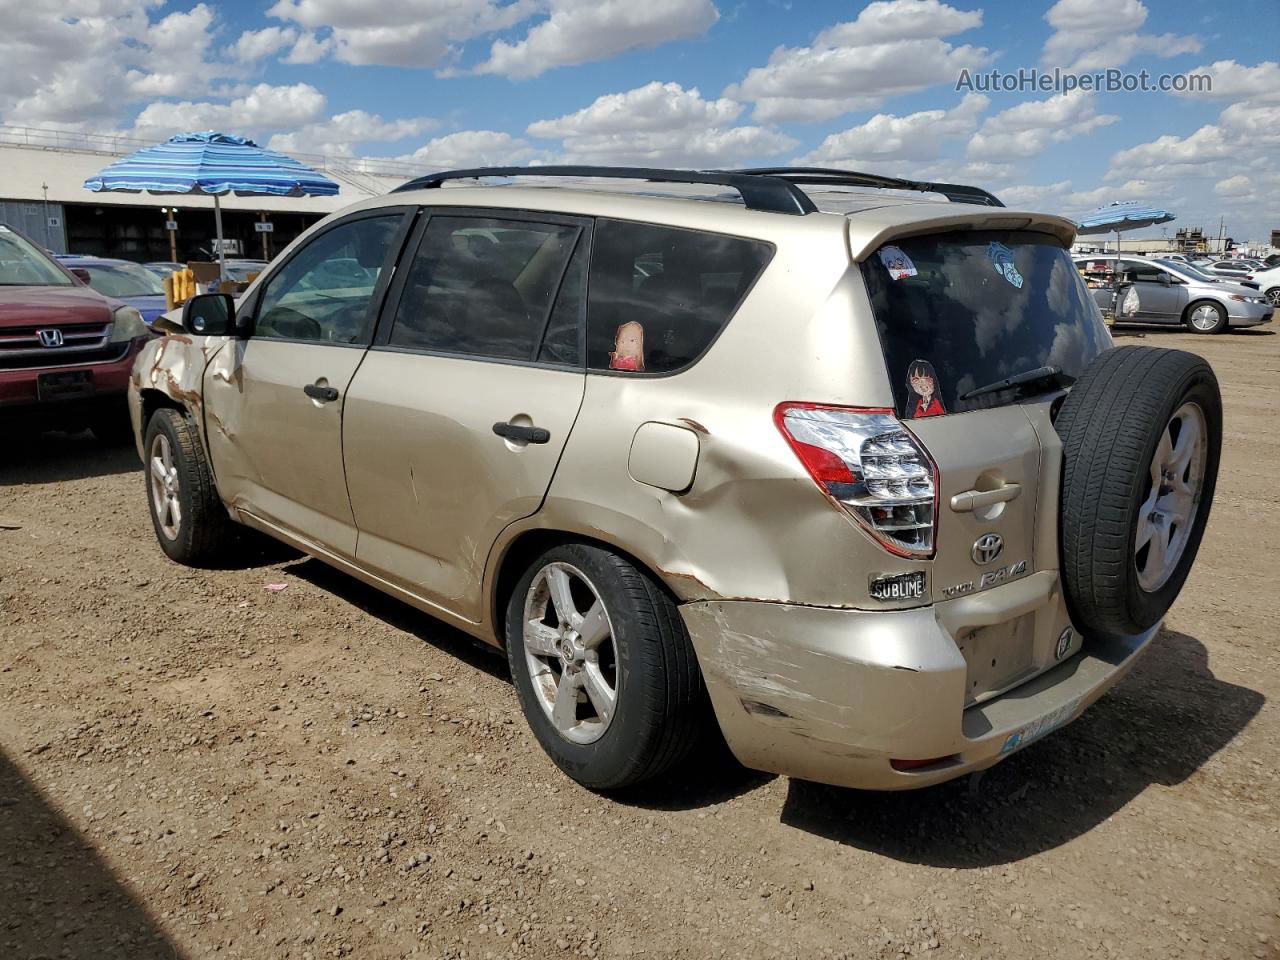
{"x":603,"y":667}
{"x":1273,"y":297}
{"x":1206,"y":316}
{"x":191,"y":523}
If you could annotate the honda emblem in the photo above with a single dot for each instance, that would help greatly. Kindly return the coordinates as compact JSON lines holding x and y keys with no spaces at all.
{"x":50,"y":338}
{"x":986,"y":548}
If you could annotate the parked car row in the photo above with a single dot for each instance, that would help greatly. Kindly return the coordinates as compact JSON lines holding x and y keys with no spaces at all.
{"x":1173,"y":292}
{"x":66,"y":349}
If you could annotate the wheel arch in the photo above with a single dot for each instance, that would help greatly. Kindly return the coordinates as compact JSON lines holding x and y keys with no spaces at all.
{"x":1202,"y":299}
{"x":512,"y":557}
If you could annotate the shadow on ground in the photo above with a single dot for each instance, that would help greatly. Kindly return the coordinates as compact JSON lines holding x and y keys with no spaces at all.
{"x":1159,"y":726}
{"x":31,"y":457}
{"x":57,"y":898}
{"x":710,"y":775}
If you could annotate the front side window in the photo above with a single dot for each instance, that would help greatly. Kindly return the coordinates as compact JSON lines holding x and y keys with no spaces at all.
{"x":482,"y":287}
{"x":23,"y":265}
{"x":660,"y":295}
{"x":324,"y":292}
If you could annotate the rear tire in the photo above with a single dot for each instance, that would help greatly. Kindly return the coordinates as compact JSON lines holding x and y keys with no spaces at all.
{"x":586,"y":624}
{"x":1205,"y":316}
{"x":1142,"y":434}
{"x":191,"y":523}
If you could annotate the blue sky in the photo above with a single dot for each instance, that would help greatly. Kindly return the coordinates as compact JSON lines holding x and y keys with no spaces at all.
{"x":689,"y":83}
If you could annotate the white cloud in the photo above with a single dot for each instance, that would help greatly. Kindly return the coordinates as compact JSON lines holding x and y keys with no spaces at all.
{"x":398,"y":33}
{"x":915,"y":136}
{"x":475,"y":148}
{"x":85,"y":64}
{"x":660,"y":124}
{"x":264,"y":108}
{"x":254,"y":45}
{"x":892,"y":48}
{"x":1027,"y":129}
{"x":309,"y":48}
{"x":581,"y":31}
{"x":1233,"y":81}
{"x":1097,"y":34}
{"x":340,"y":134}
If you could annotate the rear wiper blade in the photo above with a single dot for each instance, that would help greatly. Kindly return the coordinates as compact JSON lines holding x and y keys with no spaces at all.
{"x":1021,"y":379}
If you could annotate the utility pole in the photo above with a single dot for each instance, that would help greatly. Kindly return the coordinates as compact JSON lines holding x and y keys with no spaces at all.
{"x":1222,"y":235}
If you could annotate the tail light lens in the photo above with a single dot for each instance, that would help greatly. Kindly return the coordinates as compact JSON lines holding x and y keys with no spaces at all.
{"x":871,"y":467}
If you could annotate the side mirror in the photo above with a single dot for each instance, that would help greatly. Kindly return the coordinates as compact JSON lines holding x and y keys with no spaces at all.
{"x":81,"y":274}
{"x":1166,"y":279}
{"x":210,"y":315}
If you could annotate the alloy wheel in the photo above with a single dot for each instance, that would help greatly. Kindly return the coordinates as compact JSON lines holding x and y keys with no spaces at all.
{"x":165,"y":487}
{"x":570,"y":653}
{"x":1166,"y":516}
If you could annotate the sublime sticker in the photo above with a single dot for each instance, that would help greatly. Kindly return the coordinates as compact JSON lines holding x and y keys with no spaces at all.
{"x":628,"y":348}
{"x":1001,"y":258}
{"x":897,"y":263}
{"x":922,"y":381}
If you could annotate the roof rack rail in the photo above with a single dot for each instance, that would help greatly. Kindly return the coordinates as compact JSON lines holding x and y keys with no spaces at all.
{"x":771,"y":194}
{"x":822,"y":176}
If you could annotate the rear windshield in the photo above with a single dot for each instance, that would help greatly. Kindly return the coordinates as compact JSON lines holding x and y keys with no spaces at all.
{"x":959,"y":311}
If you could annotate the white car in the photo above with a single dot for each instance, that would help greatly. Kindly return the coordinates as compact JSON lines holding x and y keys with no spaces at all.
{"x":1268,"y":282}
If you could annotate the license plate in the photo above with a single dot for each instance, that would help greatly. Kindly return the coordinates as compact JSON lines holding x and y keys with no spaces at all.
{"x":65,"y":385}
{"x":1038,"y":728}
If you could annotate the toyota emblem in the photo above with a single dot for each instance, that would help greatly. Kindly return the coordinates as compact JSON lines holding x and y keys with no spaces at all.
{"x":986,"y":548}
{"x":50,"y":338}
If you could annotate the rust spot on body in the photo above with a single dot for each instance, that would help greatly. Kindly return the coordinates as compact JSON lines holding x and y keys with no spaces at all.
{"x":695,"y":425}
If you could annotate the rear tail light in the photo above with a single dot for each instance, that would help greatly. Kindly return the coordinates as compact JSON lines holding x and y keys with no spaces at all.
{"x":871,"y":467}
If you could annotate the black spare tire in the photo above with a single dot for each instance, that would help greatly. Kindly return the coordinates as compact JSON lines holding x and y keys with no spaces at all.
{"x":1142,"y":436}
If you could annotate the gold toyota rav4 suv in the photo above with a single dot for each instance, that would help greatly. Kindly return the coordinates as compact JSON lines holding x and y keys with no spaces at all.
{"x":844,"y":464}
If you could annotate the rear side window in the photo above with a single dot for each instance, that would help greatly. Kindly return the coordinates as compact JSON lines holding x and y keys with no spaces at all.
{"x":658,"y":296}
{"x":960,"y":311}
{"x":484,"y":287}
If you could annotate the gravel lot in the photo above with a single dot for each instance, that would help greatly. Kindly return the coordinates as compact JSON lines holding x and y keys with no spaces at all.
{"x":193,"y":766}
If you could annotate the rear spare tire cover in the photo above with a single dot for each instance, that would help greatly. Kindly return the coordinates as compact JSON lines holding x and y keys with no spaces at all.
{"x":1142,"y":435}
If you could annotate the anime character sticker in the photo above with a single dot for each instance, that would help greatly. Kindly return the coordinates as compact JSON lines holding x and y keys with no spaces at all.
{"x":922,"y":381}
{"x":897,"y":263}
{"x":628,"y":348}
{"x":1001,"y":258}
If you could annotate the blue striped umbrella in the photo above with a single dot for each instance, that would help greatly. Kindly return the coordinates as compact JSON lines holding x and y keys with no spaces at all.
{"x":1120,"y":216}
{"x":213,"y":164}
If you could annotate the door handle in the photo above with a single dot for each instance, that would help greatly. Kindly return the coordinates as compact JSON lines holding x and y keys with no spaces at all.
{"x":512,"y":431}
{"x":324,"y":394}
{"x":972,"y":500}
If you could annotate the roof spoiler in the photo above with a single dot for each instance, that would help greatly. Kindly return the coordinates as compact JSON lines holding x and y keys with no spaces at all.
{"x":771,"y":189}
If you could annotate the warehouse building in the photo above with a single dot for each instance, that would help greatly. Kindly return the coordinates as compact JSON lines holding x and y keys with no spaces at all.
{"x":42,"y":194}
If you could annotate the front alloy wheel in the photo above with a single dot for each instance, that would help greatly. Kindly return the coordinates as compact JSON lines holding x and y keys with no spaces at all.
{"x":165,"y":488}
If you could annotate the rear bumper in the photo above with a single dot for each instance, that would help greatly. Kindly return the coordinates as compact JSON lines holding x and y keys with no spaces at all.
{"x":834,"y":695}
{"x":19,"y":399}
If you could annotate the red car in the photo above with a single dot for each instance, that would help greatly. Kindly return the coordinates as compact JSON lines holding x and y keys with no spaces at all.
{"x":65,"y":350}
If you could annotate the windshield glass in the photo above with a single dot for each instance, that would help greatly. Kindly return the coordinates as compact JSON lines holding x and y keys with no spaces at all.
{"x":1187,"y":270}
{"x":22,"y":264}
{"x":957,"y":311}
{"x":123,"y":280}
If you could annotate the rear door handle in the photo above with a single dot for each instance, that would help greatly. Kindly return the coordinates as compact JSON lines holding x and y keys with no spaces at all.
{"x":972,"y":500}
{"x":317,"y":392}
{"x":514,"y":431}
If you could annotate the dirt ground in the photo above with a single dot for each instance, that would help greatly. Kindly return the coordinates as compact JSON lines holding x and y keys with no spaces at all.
{"x":194,"y":766}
